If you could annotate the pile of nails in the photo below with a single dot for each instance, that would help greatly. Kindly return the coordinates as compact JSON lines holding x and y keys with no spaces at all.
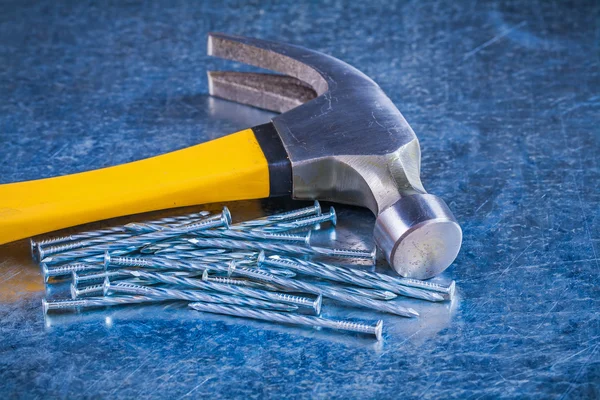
{"x":254,"y":269}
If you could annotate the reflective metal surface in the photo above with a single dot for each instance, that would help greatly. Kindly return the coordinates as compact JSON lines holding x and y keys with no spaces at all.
{"x":350,"y":145}
{"x":504,"y":97}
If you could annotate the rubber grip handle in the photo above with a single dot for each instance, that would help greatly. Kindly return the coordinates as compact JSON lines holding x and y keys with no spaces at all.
{"x":230,"y":168}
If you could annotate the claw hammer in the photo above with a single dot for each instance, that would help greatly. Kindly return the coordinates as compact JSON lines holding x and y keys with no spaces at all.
{"x":338,"y":138}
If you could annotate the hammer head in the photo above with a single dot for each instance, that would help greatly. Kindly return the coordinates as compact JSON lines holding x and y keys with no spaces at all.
{"x":347,"y":143}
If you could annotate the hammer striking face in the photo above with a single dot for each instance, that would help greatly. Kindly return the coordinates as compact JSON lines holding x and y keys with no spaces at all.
{"x":339,"y":138}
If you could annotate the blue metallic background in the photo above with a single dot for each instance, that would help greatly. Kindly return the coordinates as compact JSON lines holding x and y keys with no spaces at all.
{"x":505,"y":98}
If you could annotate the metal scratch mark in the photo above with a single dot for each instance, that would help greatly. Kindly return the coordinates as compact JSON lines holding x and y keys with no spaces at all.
{"x":579,"y":373}
{"x":197,"y":386}
{"x":493,"y":40}
{"x":517,"y":257}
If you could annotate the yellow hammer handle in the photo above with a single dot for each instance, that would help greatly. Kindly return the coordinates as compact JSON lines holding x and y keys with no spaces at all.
{"x":230,"y":168}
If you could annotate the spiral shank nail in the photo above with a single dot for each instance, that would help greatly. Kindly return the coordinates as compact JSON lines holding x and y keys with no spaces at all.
{"x":295,"y":319}
{"x":166,"y":223}
{"x":176,"y":246}
{"x":78,"y":278}
{"x":180,"y":218}
{"x":85,"y":255}
{"x":69,"y":269}
{"x":347,"y":275}
{"x":294,"y":214}
{"x":223,"y":220}
{"x":62,"y":304}
{"x":230,"y":289}
{"x":370,"y":293}
{"x":190,"y":295}
{"x":303,"y":301}
{"x":247,"y":245}
{"x":232,"y":281}
{"x":301,"y":223}
{"x":162,"y":263}
{"x":164,"y":245}
{"x":124,"y":261}
{"x":53,"y":241}
{"x":326,"y":292}
{"x":416,"y":293}
{"x":123,"y":247}
{"x":250,"y":256}
{"x":93,"y":289}
{"x":79,"y":244}
{"x":44,"y":252}
{"x":116,"y":229}
{"x":276,"y":247}
{"x":271,"y":219}
{"x":250,"y":235}
{"x":94,"y":302}
{"x":357,"y":327}
{"x":218,"y":264}
{"x":81,"y":236}
{"x":363,"y":254}
{"x":416,"y":283}
{"x":133,"y":243}
{"x":241,"y":282}
{"x":188,"y":247}
{"x":140,"y":228}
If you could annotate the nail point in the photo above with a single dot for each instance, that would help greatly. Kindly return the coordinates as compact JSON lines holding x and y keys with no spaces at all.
{"x":379,"y":330}
{"x":106,"y":260}
{"x":261,"y":258}
{"x":106,"y":286}
{"x":226,"y":217}
{"x":73,"y":291}
{"x":317,"y":304}
{"x":33,"y":248}
{"x":307,"y":239}
{"x":44,"y":268}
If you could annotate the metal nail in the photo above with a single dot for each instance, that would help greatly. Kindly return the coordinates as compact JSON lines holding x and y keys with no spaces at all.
{"x":63,"y":270}
{"x":295,"y":319}
{"x":180,"y":265}
{"x":117,"y":229}
{"x":281,"y":248}
{"x":231,"y":234}
{"x":87,"y":290}
{"x":79,"y":279}
{"x":198,"y":254}
{"x":330,"y":293}
{"x":240,"y":282}
{"x":133,"y":243}
{"x":194,"y":295}
{"x":272,"y":219}
{"x":43,"y":252}
{"x":255,"y":235}
{"x":230,"y":289}
{"x":302,"y":223}
{"x":347,"y":275}
{"x":375,"y":294}
{"x":94,"y":302}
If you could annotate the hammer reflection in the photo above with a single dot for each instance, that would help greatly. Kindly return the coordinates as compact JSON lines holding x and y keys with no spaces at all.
{"x":240,"y":115}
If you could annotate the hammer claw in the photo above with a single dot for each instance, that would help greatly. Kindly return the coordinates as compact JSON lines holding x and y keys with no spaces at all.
{"x":278,"y":93}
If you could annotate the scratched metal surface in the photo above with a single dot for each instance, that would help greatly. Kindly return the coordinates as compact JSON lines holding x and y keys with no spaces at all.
{"x":505,"y":97}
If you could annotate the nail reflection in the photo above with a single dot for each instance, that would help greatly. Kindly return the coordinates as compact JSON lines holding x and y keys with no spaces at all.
{"x":434,"y":318}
